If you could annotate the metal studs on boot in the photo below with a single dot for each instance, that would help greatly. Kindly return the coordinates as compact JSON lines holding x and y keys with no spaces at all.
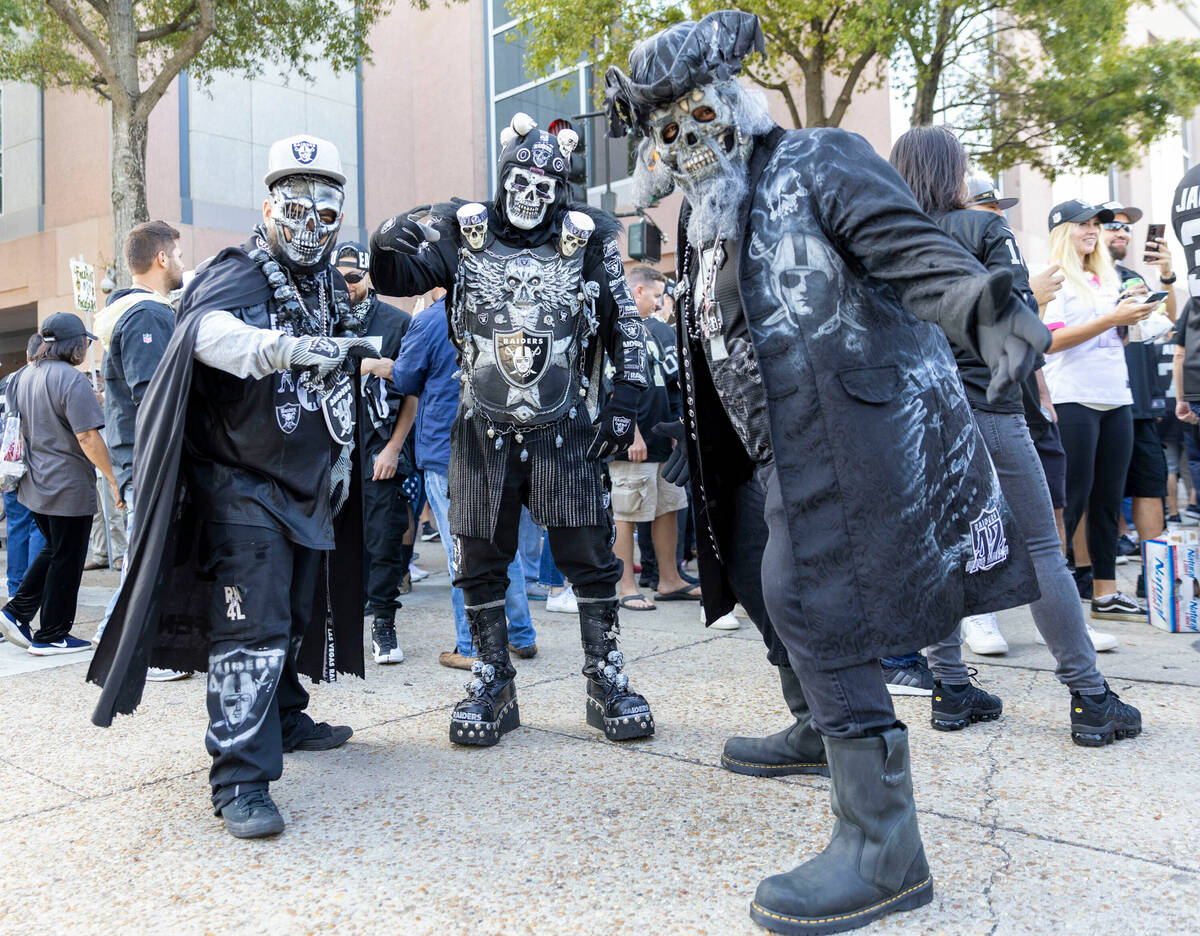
{"x":798,"y":749}
{"x":611,"y":707}
{"x":490,"y":709}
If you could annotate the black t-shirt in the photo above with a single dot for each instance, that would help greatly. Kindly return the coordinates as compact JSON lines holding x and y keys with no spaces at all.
{"x":654,"y":404}
{"x":987,"y":238}
{"x":665,"y":334}
{"x":1142,"y":362}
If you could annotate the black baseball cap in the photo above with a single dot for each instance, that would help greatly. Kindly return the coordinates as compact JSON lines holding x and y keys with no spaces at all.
{"x":1133,"y":214}
{"x":982,"y":191}
{"x":352,"y":254}
{"x":63,"y":326}
{"x":1077,"y":210}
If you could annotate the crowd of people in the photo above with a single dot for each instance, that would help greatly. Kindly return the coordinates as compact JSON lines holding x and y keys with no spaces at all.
{"x":576,"y":430}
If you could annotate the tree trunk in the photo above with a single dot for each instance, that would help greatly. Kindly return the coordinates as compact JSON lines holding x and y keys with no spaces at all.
{"x":923,"y":102}
{"x":128,"y":180}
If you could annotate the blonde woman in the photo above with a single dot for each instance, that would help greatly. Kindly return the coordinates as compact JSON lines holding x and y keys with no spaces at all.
{"x":1089,"y":386}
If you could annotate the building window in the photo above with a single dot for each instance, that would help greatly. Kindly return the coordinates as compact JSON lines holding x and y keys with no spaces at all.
{"x":1,"y":151}
{"x":1186,"y":128}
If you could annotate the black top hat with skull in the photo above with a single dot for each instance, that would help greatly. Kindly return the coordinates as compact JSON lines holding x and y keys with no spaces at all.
{"x":672,"y":62}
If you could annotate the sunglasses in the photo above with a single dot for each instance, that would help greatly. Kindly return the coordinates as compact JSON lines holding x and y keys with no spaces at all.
{"x":353,"y":276}
{"x":1117,"y":226}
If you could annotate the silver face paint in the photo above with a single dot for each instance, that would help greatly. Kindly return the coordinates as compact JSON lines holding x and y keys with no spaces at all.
{"x":529,"y":196}
{"x":307,"y":214}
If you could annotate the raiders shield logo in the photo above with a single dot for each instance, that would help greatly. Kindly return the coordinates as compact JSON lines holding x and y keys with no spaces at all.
{"x":621,"y":425}
{"x":523,"y":356}
{"x":288,"y":417}
{"x":632,"y":329}
{"x":305,"y":151}
{"x":989,"y":545}
{"x":338,"y":408}
{"x":244,"y":682}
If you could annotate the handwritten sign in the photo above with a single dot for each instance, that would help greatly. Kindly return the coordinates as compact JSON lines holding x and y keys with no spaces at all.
{"x":83,"y":282}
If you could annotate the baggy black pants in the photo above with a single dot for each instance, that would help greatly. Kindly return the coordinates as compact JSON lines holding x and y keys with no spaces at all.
{"x":261,"y":602}
{"x":385,"y":521}
{"x":51,"y":583}
{"x":583,"y":554}
{"x":851,"y":702}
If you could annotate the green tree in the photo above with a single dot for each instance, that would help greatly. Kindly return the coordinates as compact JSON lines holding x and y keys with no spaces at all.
{"x":1053,"y":86}
{"x":129,"y":52}
{"x":808,"y":43}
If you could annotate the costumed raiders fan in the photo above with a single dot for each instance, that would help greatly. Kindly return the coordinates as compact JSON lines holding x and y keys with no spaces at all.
{"x":819,"y":392}
{"x":385,"y":463}
{"x":1185,"y":221}
{"x":537,"y":294}
{"x":243,"y":465}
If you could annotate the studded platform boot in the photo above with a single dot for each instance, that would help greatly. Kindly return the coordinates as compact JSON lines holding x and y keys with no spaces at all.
{"x":490,"y":708}
{"x":611,"y":707}
{"x":798,"y":749}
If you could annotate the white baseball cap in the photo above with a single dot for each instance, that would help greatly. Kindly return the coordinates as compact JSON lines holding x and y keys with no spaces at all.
{"x":303,"y":155}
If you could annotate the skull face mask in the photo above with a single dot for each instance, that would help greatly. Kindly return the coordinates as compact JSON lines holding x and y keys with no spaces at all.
{"x":529,"y":196}
{"x":306,"y":212}
{"x":692,"y":134}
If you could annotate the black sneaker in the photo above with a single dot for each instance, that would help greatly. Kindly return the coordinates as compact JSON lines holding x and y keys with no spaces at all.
{"x":322,"y":736}
{"x":1126,"y":549}
{"x":956,"y":707}
{"x":383,"y":642}
{"x":1118,"y":607}
{"x":252,"y":815}
{"x":1174,"y":518}
{"x":1083,"y":582}
{"x":912,"y":678}
{"x":1097,"y":720}
{"x":428,"y":533}
{"x":1140,"y":592}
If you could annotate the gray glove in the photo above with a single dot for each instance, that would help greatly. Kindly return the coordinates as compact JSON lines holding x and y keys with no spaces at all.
{"x":323,"y":355}
{"x":1011,"y":345}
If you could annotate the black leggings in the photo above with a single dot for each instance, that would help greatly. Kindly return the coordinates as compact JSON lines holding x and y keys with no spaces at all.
{"x":1099,"y":444}
{"x":51,"y":583}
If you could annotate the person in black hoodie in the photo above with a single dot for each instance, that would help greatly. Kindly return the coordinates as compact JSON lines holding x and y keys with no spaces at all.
{"x":537,"y":294}
{"x":933,"y":163}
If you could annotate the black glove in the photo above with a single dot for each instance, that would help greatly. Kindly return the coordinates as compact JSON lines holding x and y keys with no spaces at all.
{"x":615,"y":424}
{"x":1010,"y":346}
{"x":675,"y":469}
{"x":404,"y":233}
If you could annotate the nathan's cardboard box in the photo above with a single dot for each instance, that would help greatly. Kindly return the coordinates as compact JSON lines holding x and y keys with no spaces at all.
{"x":1172,"y":572}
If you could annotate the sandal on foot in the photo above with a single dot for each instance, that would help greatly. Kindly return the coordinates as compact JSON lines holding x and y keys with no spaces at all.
{"x":646,"y":604}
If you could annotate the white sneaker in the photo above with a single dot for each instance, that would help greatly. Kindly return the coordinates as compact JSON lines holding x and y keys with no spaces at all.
{"x":1100,"y":640}
{"x":727,"y":622}
{"x":416,"y":573}
{"x":158,"y":674}
{"x":981,"y":634}
{"x":564,"y":602}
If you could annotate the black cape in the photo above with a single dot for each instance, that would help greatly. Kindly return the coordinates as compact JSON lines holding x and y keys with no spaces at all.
{"x":161,"y":614}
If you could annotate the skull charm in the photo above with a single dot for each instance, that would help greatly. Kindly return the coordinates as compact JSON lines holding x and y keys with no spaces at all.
{"x":529,"y":194}
{"x":577,"y":228}
{"x":472,"y":221}
{"x":692,"y":134}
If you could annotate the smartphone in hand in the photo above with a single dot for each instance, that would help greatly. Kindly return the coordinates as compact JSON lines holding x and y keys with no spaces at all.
{"x":1155,"y":297}
{"x":1154,"y":232}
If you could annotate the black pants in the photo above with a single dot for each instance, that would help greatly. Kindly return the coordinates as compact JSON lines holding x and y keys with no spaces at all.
{"x":851,"y":702}
{"x":1099,"y":444}
{"x":385,"y":521}
{"x":261,"y":602}
{"x":583,"y":554}
{"x":51,"y":583}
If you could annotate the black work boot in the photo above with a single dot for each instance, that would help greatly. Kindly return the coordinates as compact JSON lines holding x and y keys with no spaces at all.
{"x":1097,"y":720}
{"x":611,"y":707}
{"x":956,"y":707}
{"x":490,"y":708}
{"x":874,"y":864}
{"x":383,"y":641}
{"x":795,"y":750}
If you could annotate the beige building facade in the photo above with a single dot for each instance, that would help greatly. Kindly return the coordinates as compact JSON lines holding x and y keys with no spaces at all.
{"x":415,"y":125}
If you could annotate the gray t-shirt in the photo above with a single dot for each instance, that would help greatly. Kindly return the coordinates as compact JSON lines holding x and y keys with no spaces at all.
{"x":56,"y":402}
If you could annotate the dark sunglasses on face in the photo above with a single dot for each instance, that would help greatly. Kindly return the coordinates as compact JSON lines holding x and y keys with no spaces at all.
{"x":1117,"y":226}
{"x":355,"y":276}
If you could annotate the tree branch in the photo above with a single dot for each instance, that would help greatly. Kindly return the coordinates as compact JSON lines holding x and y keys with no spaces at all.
{"x":847,"y":92}
{"x":67,"y":13}
{"x":181,"y":23}
{"x":100,"y":6}
{"x":177,"y":62}
{"x":785,"y":90}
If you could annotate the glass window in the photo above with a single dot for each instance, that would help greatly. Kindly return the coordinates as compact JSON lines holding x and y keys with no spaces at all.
{"x":545,"y":103}
{"x":1,"y":151}
{"x":508,"y":60}
{"x":500,"y":14}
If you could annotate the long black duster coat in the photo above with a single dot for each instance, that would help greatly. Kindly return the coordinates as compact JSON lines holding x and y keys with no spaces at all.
{"x":896,"y":519}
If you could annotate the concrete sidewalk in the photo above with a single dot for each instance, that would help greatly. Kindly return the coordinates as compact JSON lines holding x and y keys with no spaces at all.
{"x":558,"y":831}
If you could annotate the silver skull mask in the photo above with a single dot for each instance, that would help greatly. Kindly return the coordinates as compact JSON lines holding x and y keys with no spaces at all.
{"x":693,"y":133}
{"x":528,"y":197}
{"x":307,"y":214}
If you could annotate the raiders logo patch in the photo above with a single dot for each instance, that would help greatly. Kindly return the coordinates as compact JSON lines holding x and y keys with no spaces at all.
{"x":288,"y":417}
{"x":632,"y":330}
{"x":989,"y":545}
{"x":621,"y":424}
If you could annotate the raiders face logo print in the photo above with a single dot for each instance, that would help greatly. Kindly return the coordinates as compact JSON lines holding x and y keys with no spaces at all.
{"x":621,"y":425}
{"x":305,"y":151}
{"x":243,"y":682}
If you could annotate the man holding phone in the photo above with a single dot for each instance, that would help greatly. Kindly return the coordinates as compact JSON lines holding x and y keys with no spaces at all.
{"x":1146,"y":482}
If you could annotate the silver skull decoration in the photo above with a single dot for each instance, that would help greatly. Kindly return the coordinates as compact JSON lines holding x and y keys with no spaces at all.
{"x":529,"y":195}
{"x":576,"y":229}
{"x":523,"y":278}
{"x":307,"y":214}
{"x":690,"y":133}
{"x":472,"y":221}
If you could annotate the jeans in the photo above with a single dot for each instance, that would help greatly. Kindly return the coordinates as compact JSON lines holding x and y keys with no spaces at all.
{"x":1058,"y":614}
{"x":25,"y":540}
{"x":51,"y":584}
{"x":548,"y":573}
{"x":529,"y":546}
{"x":516,"y":603}
{"x":851,"y":702}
